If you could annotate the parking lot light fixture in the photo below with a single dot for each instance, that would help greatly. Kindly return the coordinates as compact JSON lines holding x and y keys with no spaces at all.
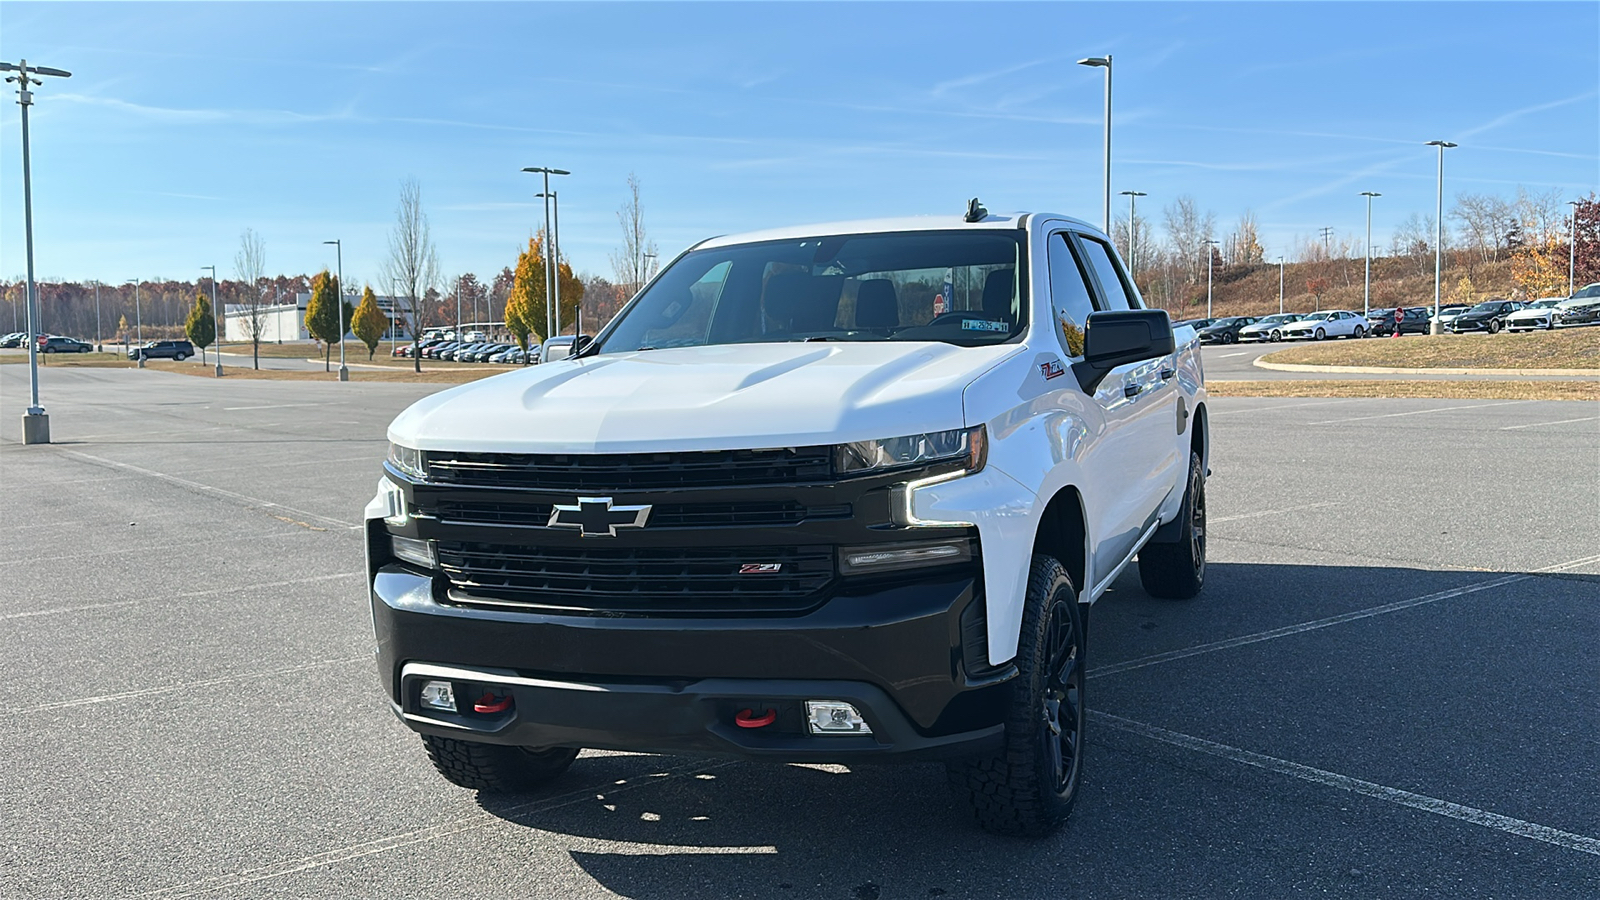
{"x":1367,"y":294}
{"x":1438,"y":235}
{"x":1280,"y":285}
{"x":99,"y":346}
{"x":35,"y":424}
{"x":555,"y":246}
{"x":344,"y":373}
{"x":1132,"y":264}
{"x":1208,"y":244}
{"x":216,"y":321}
{"x":1104,"y":62}
{"x":549,"y":269}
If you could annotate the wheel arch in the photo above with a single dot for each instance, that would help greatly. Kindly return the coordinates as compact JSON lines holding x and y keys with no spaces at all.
{"x":1063,"y":533}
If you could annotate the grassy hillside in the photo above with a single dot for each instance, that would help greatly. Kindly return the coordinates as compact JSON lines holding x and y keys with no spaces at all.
{"x":1253,"y":291}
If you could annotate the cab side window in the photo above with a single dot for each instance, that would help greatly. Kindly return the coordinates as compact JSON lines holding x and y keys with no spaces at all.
{"x":1113,"y":288}
{"x":1070,"y":302}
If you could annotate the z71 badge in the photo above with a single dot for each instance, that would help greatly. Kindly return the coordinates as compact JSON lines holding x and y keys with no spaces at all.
{"x":1052,"y":369}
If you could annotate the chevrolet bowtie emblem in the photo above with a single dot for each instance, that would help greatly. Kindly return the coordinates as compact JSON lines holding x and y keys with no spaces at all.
{"x":596,"y":517}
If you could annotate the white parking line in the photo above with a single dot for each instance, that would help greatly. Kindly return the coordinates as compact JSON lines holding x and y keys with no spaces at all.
{"x":1232,"y":355}
{"x":1276,"y":407}
{"x":1518,"y":827}
{"x":1315,"y":624}
{"x":209,"y":682}
{"x":1419,"y":412}
{"x":268,"y":406}
{"x":1269,"y":512}
{"x":434,"y":833}
{"x":1561,"y":422}
{"x":205,"y":488}
{"x":186,"y":595}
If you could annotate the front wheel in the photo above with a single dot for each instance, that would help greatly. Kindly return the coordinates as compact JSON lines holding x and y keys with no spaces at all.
{"x":1177,"y":570}
{"x":1494,"y":327}
{"x":1028,"y":786}
{"x":1230,"y":338}
{"x":1276,"y":336}
{"x":495,"y":768}
{"x":1320,"y":334}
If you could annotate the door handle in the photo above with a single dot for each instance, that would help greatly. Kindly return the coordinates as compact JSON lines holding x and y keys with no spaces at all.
{"x":1168,"y":374}
{"x":1131,"y":390}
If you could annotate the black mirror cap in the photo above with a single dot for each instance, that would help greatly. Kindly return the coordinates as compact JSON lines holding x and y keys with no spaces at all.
{"x":1118,"y":337}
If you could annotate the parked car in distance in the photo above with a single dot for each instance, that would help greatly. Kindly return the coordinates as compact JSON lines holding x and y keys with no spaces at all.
{"x":1538,"y":314}
{"x":1490,"y":316}
{"x":14,"y":339}
{"x":1224,"y":330}
{"x":1582,"y":308}
{"x":1414,"y":321}
{"x":1448,"y":314}
{"x":57,"y":344}
{"x":1268,"y":328}
{"x":178,"y":350}
{"x":1196,"y":324}
{"x":1327,"y":324}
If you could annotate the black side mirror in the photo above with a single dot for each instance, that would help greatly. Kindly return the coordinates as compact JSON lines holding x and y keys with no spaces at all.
{"x":1118,"y":337}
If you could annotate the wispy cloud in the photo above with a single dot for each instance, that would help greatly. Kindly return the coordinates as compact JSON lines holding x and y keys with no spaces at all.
{"x":944,"y":87}
{"x":178,"y":116}
{"x":1512,"y":116}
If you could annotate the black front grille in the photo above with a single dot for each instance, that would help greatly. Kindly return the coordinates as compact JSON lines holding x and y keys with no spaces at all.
{"x":662,"y":515}
{"x":636,"y":471}
{"x":644,"y":580}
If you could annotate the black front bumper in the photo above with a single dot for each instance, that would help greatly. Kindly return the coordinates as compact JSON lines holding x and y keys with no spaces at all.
{"x":909,"y":655}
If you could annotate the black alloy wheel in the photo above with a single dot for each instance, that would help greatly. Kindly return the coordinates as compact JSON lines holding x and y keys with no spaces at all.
{"x":1063,"y":711}
{"x":1276,"y":336}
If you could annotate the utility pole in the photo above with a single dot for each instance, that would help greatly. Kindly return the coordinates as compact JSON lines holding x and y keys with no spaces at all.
{"x":1327,"y":242}
{"x":1209,"y":244}
{"x":1367,"y":302}
{"x":1132,"y":256}
{"x":344,"y":373}
{"x":35,"y":423}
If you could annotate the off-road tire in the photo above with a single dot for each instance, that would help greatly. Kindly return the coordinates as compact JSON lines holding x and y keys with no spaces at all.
{"x":495,"y":768}
{"x":1177,"y":570}
{"x":1025,"y":788}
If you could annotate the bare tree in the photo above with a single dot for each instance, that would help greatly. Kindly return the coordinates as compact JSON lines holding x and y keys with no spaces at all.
{"x":250,"y":267}
{"x":412,"y":268}
{"x":1542,"y":216}
{"x":1187,"y":231}
{"x":1414,"y":239}
{"x":1482,"y":219}
{"x":631,"y":264}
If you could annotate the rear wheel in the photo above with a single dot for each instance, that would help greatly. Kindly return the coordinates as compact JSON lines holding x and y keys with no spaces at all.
{"x":495,"y":768}
{"x":1177,"y":570}
{"x":1360,"y":332}
{"x":1028,"y":786}
{"x":180,"y":356}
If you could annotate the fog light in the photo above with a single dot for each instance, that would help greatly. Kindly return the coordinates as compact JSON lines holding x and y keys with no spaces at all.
{"x":414,"y":551}
{"x":439,"y":695}
{"x":834,"y":717}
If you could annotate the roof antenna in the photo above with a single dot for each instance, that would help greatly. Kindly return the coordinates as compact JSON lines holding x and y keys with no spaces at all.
{"x":975,"y":210}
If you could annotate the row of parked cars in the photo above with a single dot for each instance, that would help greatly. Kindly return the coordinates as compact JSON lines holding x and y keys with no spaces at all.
{"x":48,"y":343}
{"x":1492,"y":316}
{"x":477,"y":351}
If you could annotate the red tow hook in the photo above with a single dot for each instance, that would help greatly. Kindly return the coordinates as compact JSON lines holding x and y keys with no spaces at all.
{"x":488,"y":703}
{"x":748,"y":719}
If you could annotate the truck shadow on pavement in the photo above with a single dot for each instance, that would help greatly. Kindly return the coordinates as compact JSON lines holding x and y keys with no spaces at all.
{"x":1151,"y":820}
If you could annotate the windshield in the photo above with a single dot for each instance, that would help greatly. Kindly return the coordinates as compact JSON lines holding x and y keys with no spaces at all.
{"x":1487,"y":306}
{"x":1316,"y":317}
{"x":955,"y":287}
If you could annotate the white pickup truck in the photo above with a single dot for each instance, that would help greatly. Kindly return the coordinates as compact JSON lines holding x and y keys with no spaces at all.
{"x":837,"y":493}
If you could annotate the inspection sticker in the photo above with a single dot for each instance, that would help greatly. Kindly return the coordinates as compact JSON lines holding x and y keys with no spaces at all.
{"x":984,"y":325}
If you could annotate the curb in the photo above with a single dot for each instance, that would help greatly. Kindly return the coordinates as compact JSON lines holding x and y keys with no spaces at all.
{"x":1420,"y":370}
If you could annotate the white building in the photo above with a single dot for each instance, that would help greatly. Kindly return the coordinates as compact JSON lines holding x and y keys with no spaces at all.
{"x":287,"y":321}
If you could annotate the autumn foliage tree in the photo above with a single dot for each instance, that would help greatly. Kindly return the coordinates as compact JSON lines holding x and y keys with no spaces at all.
{"x":1317,"y":287}
{"x":369,"y":323}
{"x":527,"y":306}
{"x":201,"y":326}
{"x":322,"y":315}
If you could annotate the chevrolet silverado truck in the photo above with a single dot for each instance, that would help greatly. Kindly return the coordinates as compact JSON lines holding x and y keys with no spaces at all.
{"x":840,"y":493}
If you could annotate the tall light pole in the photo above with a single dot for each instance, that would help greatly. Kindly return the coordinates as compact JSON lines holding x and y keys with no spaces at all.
{"x":99,"y":345}
{"x":35,"y":423}
{"x":1208,"y":244}
{"x":555,"y":245}
{"x":549,"y":270}
{"x":1572,"y":249}
{"x":216,"y":321}
{"x":344,"y":373}
{"x":1104,"y":62}
{"x":1438,"y":236}
{"x":1367,"y":292}
{"x":1132,"y":256}
{"x":1280,"y":285}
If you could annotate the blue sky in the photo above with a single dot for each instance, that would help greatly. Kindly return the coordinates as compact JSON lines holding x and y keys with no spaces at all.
{"x":185,"y":123}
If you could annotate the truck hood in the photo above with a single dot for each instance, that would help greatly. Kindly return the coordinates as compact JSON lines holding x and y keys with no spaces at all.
{"x":722,"y":397}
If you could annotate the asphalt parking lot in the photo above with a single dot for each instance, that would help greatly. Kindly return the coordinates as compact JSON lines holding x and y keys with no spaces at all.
{"x":1388,"y":687}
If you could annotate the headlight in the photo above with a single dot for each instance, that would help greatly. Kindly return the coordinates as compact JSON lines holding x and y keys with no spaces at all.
{"x":967,"y":444}
{"x":408,"y":461}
